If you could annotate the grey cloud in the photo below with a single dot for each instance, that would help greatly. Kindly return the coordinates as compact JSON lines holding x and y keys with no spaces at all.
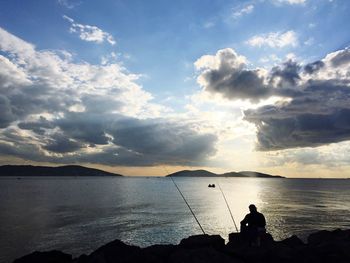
{"x":232,"y":80}
{"x":342,"y":57}
{"x":318,"y":109}
{"x":288,"y":73}
{"x":164,"y":140}
{"x":320,"y":116}
{"x":19,"y":101}
{"x":124,"y":140}
{"x":6,"y":114}
{"x":86,"y":127}
{"x":138,"y":142}
{"x":55,"y":110}
{"x":22,"y":150}
{"x":59,"y":143}
{"x":100,"y":104}
{"x":38,"y":127}
{"x":313,"y":67}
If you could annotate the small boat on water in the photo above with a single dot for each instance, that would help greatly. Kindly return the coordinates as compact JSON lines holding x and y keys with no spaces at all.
{"x":211,"y":185}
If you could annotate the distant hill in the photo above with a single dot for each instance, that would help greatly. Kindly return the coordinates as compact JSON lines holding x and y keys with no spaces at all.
{"x":193,"y":173}
{"x":67,"y":170}
{"x":257,"y":174}
{"x":204,"y":173}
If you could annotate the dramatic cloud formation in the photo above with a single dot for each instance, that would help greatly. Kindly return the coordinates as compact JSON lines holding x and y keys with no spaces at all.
{"x":53,"y":109}
{"x":274,"y":39}
{"x":317,"y":109}
{"x":226,"y":73}
{"x":90,"y":33}
{"x":318,"y":114}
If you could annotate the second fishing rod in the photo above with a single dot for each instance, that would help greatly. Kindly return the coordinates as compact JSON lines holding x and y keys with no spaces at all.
{"x":183,"y":197}
{"x":189,"y":207}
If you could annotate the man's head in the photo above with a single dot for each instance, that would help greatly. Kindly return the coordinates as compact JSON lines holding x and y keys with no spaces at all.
{"x":252,"y":208}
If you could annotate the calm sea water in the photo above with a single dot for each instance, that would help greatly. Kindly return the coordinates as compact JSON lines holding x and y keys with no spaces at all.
{"x":79,"y":214}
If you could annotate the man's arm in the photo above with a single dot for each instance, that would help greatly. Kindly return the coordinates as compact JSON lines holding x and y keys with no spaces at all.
{"x":244,"y":221}
{"x":263,"y":220}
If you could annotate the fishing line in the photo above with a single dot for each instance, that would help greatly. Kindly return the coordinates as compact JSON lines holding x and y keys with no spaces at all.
{"x":228,"y":207}
{"x":189,"y":207}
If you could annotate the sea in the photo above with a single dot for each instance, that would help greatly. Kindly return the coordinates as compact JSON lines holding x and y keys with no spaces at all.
{"x":79,"y":214}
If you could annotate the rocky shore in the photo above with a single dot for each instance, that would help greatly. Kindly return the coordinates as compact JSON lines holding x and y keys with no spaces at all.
{"x":323,"y":246}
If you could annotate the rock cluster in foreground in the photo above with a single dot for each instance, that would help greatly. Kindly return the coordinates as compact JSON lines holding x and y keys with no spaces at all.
{"x":322,"y":246}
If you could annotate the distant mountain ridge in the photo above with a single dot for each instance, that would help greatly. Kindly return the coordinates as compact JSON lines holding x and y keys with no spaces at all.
{"x":77,"y":170}
{"x":193,"y":173}
{"x":66,"y":170}
{"x":204,"y":173}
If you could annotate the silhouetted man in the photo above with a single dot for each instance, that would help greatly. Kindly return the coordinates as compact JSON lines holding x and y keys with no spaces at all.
{"x":253,"y":225}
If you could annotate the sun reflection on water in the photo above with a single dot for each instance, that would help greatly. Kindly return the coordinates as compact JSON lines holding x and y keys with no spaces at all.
{"x":77,"y":215}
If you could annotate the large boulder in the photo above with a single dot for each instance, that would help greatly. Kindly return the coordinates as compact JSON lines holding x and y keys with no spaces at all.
{"x":201,"y":255}
{"x":292,"y":242}
{"x":324,"y":236}
{"x":157,"y":253}
{"x":53,"y":256}
{"x":238,"y":240}
{"x":115,"y":251}
{"x":200,"y":241}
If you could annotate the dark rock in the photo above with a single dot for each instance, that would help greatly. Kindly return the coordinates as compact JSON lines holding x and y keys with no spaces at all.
{"x":238,"y":240}
{"x":81,"y":259}
{"x":115,"y":251}
{"x":266,"y":240}
{"x":325,"y":236}
{"x":323,"y":247}
{"x":201,"y":255}
{"x":292,"y":242}
{"x":157,"y":253}
{"x":199,"y":241}
{"x":249,"y":254}
{"x":320,"y":254}
{"x":53,"y":256}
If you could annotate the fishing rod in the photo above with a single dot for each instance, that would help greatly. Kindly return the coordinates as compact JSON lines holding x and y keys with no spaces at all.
{"x":228,"y":207}
{"x":189,"y":207}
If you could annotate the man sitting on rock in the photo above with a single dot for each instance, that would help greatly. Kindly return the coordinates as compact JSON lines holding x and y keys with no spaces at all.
{"x":253,"y":226}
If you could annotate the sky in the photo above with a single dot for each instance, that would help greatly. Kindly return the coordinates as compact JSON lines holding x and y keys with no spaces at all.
{"x":151,"y":87}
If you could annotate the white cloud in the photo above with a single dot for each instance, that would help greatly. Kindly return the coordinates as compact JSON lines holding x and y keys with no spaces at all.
{"x":53,"y":109}
{"x":312,"y":25}
{"x":291,"y":2}
{"x":90,"y":33}
{"x":69,"y":3}
{"x":310,"y":41}
{"x":243,"y":11}
{"x":273,"y":58}
{"x":209,"y":24}
{"x":274,"y":39}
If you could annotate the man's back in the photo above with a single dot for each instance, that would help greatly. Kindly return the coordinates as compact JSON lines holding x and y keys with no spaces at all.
{"x":254,"y":219}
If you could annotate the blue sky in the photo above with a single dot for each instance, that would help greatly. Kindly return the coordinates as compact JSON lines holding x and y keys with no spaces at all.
{"x":169,"y":56}
{"x":163,"y":38}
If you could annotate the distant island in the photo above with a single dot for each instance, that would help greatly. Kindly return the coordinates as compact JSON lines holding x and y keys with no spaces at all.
{"x":67,"y":170}
{"x":77,"y":170}
{"x":204,"y":173}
